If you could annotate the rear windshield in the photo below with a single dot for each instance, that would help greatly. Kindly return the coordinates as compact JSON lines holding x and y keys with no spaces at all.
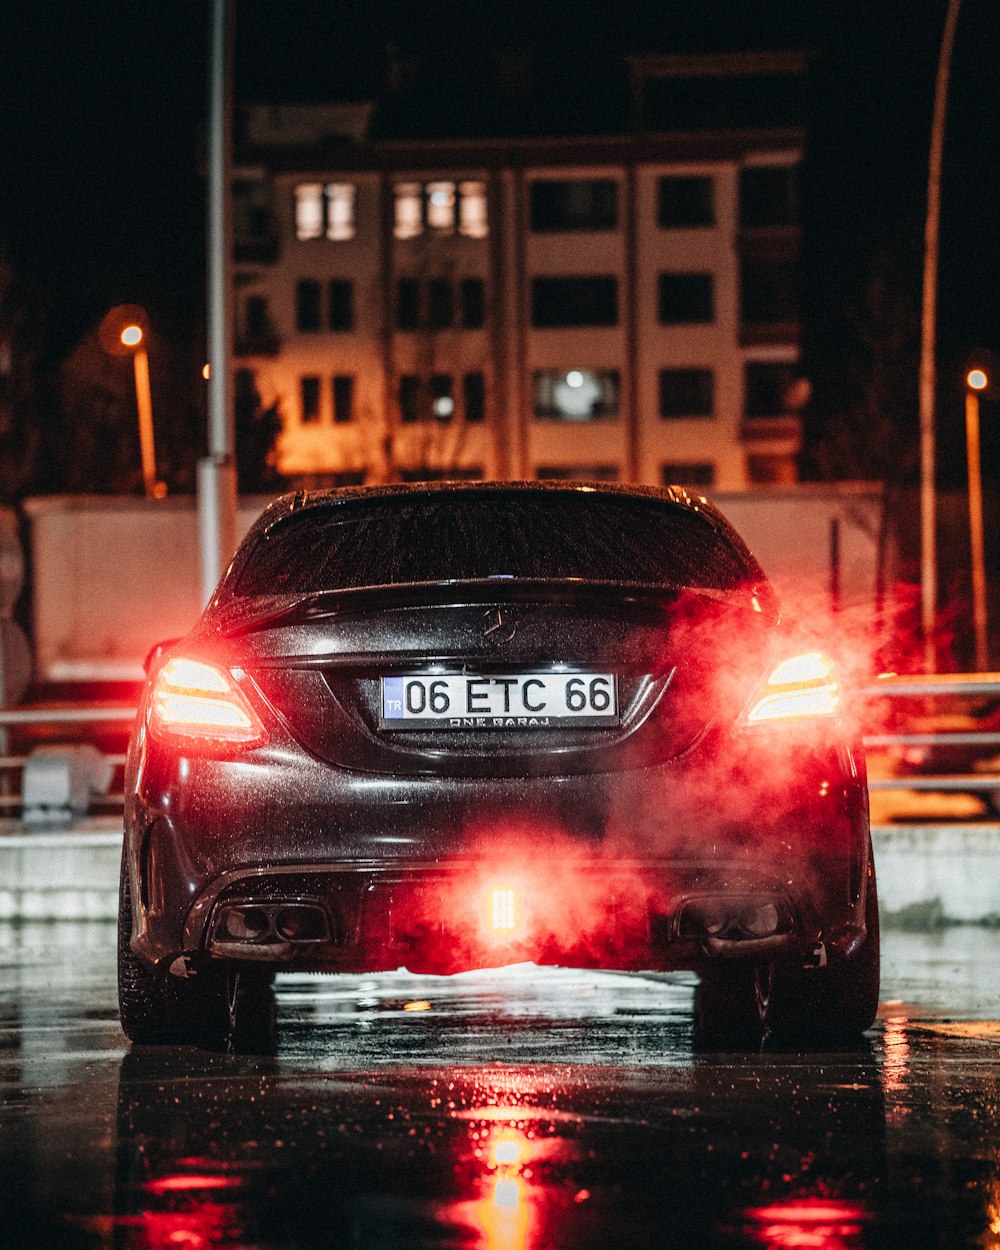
{"x":591,"y":537}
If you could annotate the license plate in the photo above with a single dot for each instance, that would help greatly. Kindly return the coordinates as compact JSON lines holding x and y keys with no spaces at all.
{"x":525,"y":701}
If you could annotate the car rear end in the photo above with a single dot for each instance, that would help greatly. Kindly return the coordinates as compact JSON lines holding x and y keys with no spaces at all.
{"x":453,"y":727}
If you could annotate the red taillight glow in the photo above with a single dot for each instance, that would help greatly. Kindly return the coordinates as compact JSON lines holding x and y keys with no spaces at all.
{"x":192,"y":699}
{"x":804,"y":685}
{"x":503,"y":909}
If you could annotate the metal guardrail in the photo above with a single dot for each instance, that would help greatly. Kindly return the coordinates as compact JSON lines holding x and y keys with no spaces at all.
{"x":930,"y":689}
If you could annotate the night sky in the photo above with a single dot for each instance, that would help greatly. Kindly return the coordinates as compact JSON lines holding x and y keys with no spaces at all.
{"x":102,"y":104}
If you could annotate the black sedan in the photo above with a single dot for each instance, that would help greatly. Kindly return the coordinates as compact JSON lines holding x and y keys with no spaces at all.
{"x":456,"y":726}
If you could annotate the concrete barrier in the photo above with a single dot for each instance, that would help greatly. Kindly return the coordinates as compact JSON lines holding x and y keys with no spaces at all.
{"x":929,"y":875}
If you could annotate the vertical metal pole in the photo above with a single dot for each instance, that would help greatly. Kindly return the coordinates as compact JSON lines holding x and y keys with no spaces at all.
{"x":217,"y":472}
{"x":976,"y":529}
{"x":928,"y":336}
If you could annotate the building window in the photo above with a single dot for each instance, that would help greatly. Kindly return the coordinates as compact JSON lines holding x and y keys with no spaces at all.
{"x":686,"y":299}
{"x":309,"y":210}
{"x":340,"y":313}
{"x":688,"y":473}
{"x":767,"y":387}
{"x":407,"y":304}
{"x":324,"y":211}
{"x":439,"y":199}
{"x":409,"y":397}
{"x":309,"y":398}
{"x":574,"y":204}
{"x":687,"y":393}
{"x":256,"y":319}
{"x":442,"y":396}
{"x":769,"y":196}
{"x":472,"y":297}
{"x":769,"y":291}
{"x":440,"y":304}
{"x":409,"y":213}
{"x":684,"y":201}
{"x":568,"y":302}
{"x":307,"y":305}
{"x":767,"y":469}
{"x":439,"y":206}
{"x":340,"y":198}
{"x":578,"y":472}
{"x":343,"y":398}
{"x":474,"y":397}
{"x":576,"y":395}
{"x":473,"y":216}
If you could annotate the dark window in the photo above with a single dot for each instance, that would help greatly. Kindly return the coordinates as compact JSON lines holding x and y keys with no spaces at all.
{"x":766,"y":469}
{"x":686,"y":200}
{"x":442,"y":396}
{"x":686,"y":298}
{"x":474,"y":397}
{"x":769,"y":291}
{"x":576,"y":394}
{"x":768,"y":384}
{"x":407,"y":304}
{"x":440,"y":304}
{"x":343,"y":398}
{"x":409,"y":397}
{"x":490,"y":533}
{"x":309,"y":395}
{"x":473,"y":296}
{"x":307,"y":305}
{"x":769,"y":196}
{"x":341,"y":304}
{"x":687,"y":393}
{"x":578,"y":472}
{"x":567,"y":302}
{"x":577,"y":204}
{"x":688,"y":473}
{"x":256,"y":321}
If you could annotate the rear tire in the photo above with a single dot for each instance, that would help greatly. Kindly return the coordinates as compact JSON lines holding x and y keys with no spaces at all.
{"x":215,"y":1007}
{"x":739,"y":1005}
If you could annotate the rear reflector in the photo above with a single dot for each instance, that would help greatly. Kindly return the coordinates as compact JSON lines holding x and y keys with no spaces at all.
{"x":192,"y":699}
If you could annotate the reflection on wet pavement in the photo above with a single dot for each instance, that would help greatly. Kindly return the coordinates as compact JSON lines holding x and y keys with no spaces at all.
{"x":514,"y":1110}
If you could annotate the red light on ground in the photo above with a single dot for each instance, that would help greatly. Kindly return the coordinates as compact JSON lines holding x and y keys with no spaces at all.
{"x":503,"y":909}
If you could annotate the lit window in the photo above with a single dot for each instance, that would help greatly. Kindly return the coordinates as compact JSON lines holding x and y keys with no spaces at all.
{"x":409,"y":215}
{"x":441,"y":207}
{"x":340,"y":210}
{"x":442,"y":397}
{"x":472,"y":211}
{"x":576,"y":395}
{"x":309,"y":210}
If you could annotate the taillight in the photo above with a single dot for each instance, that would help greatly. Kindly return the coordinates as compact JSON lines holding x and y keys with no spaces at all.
{"x":194,"y":700}
{"x":802,"y":686}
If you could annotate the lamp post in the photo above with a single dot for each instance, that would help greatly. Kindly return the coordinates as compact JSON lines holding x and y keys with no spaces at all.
{"x":133,"y":338}
{"x":976,"y":381}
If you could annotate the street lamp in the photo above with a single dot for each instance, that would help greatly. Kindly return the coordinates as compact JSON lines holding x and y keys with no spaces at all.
{"x":976,"y":381}
{"x":133,"y":338}
{"x":123,"y":333}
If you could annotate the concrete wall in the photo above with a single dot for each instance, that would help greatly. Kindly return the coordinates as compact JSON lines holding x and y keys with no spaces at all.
{"x":113,"y":576}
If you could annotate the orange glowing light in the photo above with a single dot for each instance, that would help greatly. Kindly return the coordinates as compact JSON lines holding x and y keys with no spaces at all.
{"x":206,"y":372}
{"x":419,"y":1004}
{"x":131,"y":336}
{"x":193,"y":699}
{"x":977,"y":380}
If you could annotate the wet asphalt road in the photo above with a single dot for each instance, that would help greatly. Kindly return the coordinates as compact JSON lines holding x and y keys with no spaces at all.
{"x":508,"y":1111}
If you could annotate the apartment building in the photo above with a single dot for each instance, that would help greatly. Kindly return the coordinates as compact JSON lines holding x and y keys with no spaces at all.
{"x":618,"y":307}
